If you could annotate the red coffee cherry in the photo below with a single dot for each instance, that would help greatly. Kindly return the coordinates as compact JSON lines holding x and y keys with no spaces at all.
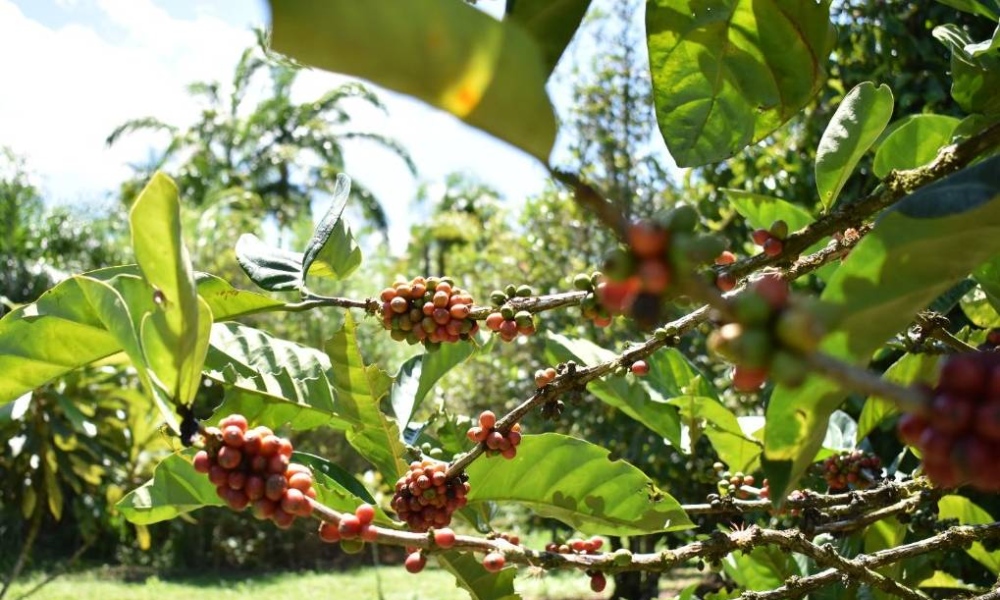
{"x":444,"y":538}
{"x":365,"y":513}
{"x":598,"y":582}
{"x":350,"y":526}
{"x":640,"y":368}
{"x":494,"y":561}
{"x":415,"y":562}
{"x":329,"y":533}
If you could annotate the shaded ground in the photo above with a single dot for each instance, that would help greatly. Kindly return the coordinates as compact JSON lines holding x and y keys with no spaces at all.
{"x":360,"y":584}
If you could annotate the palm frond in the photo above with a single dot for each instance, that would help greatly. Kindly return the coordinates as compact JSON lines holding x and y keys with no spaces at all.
{"x":386,"y":142}
{"x":133,"y":125}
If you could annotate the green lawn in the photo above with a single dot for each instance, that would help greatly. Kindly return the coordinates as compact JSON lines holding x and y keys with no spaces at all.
{"x":360,"y":584}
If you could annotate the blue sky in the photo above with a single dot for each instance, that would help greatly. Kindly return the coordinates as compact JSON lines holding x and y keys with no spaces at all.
{"x":74,"y":69}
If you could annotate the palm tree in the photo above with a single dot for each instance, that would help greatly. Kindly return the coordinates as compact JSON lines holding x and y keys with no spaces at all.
{"x":283,"y":154}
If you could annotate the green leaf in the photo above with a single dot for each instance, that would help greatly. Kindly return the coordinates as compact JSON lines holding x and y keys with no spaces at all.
{"x":175,"y":335}
{"x":332,"y":251}
{"x":857,"y":123}
{"x":910,"y":369}
{"x":761,"y":211}
{"x":337,"y":488}
{"x":968,"y":513}
{"x":358,"y":390}
{"x":900,"y":267}
{"x":471,"y":576}
{"x":975,"y":78}
{"x":739,"y":451}
{"x":578,"y":484}
{"x":449,"y":54}
{"x":761,"y":569}
{"x":727,"y":73}
{"x":989,"y":9}
{"x":912,"y":142}
{"x":552,"y":23}
{"x":629,"y":396}
{"x":63,"y":331}
{"x":418,"y":375}
{"x":273,"y":269}
{"x":175,"y":489}
{"x":942,"y":580}
{"x":987,"y":276}
{"x":980,"y":311}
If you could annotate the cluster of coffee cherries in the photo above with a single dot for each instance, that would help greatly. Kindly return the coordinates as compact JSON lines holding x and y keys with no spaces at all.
{"x":769,"y":334}
{"x":725,"y":281}
{"x":736,"y":485}
{"x":352,"y":531}
{"x":496,"y":442}
{"x":581,"y":546}
{"x":958,"y":434}
{"x":590,"y":306}
{"x":771,"y":240}
{"x":506,"y":321}
{"x":425,"y":497}
{"x":428,"y":310}
{"x":252,"y":467}
{"x":640,"y":276}
{"x":851,"y":470}
{"x":416,"y":560}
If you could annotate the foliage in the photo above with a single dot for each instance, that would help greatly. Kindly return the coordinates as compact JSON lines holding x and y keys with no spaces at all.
{"x":911,"y":207}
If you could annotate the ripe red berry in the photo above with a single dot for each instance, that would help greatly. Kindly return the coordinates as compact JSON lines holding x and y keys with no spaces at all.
{"x":494,"y":561}
{"x":350,"y":526}
{"x":235,"y":420}
{"x":963,"y":374}
{"x":487,"y":419}
{"x":725,"y":282}
{"x":598,"y":582}
{"x":646,"y":239}
{"x":760,"y":236}
{"x":748,"y":379}
{"x":229,"y":457}
{"x":726,"y":258}
{"x":294,"y":503}
{"x":201,"y":462}
{"x":365,"y":513}
{"x":415,"y":562}
{"x":329,"y":533}
{"x":640,"y":368}
{"x":299,"y":481}
{"x":444,"y":538}
{"x":952,"y":414}
{"x":773,"y":247}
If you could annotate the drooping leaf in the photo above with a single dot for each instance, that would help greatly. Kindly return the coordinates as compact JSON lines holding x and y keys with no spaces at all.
{"x":176,"y":488}
{"x":63,"y":331}
{"x":906,"y":261}
{"x":969,"y":513}
{"x":273,"y":269}
{"x":631,"y":397}
{"x":857,"y":123}
{"x":761,"y":211}
{"x":332,"y":251}
{"x":552,"y":23}
{"x":575,"y":482}
{"x":728,"y":73}
{"x":736,"y":449}
{"x":912,"y":142}
{"x":471,"y":576}
{"x":175,"y":334}
{"x":358,"y":390}
{"x":488,"y":73}
{"x":418,"y":375}
{"x":910,"y":369}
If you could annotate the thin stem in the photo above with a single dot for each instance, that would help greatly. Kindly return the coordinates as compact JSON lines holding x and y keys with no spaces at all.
{"x":908,"y":399}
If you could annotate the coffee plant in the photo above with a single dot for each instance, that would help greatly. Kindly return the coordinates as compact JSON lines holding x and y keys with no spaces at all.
{"x":828,"y":329}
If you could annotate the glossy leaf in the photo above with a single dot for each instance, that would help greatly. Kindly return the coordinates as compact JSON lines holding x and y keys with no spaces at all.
{"x":761,"y":569}
{"x":978,"y":309}
{"x":629,"y":396}
{"x":857,"y":123}
{"x":966,"y":512}
{"x":989,"y":9}
{"x":417,"y":376}
{"x":175,"y":334}
{"x":337,"y":488}
{"x":578,"y":484}
{"x":63,"y":331}
{"x":273,"y":269}
{"x":975,"y":78}
{"x":987,"y":276}
{"x":942,"y":580}
{"x":471,"y":576}
{"x":912,"y":142}
{"x":552,"y":23}
{"x":739,"y":451}
{"x":175,"y":489}
{"x":906,"y":261}
{"x":728,"y":73}
{"x":358,"y":391}
{"x":273,"y":410}
{"x":332,"y":251}
{"x":488,"y":73}
{"x":761,"y":211}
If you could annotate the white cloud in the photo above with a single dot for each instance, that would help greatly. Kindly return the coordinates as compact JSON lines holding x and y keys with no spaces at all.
{"x":67,"y":87}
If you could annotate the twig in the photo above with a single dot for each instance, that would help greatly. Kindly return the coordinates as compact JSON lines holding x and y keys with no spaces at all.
{"x":908,"y":399}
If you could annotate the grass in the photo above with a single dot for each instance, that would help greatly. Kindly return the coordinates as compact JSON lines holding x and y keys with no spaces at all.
{"x":360,"y":584}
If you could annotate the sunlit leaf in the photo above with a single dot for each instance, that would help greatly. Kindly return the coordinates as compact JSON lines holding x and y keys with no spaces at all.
{"x":913,"y":141}
{"x":417,"y":376}
{"x":966,"y":512}
{"x":551,"y":22}
{"x":577,"y":483}
{"x":332,"y":251}
{"x":471,"y":576}
{"x":176,"y":488}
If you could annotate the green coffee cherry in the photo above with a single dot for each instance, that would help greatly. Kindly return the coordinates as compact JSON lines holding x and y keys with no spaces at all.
{"x":582,"y":283}
{"x":511,"y":291}
{"x":524,"y":291}
{"x":523,"y":318}
{"x":507,"y":311}
{"x":498,"y":297}
{"x":683,"y":218}
{"x":779,"y":229}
